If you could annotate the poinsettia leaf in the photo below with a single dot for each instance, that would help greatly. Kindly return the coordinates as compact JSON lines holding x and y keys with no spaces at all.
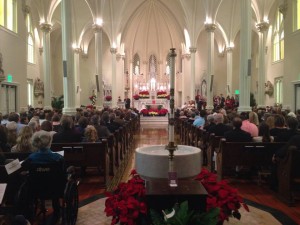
{"x":246,"y":207}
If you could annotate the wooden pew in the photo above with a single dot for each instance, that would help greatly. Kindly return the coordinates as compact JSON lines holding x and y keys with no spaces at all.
{"x":289,"y":176}
{"x":213,"y":146}
{"x":16,"y":155}
{"x":232,"y":154}
{"x":86,"y":155}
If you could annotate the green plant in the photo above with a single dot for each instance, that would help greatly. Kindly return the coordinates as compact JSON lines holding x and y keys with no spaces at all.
{"x":159,"y":107}
{"x":181,"y":215}
{"x":148,"y":107}
{"x":57,"y":102}
{"x":252,"y":100}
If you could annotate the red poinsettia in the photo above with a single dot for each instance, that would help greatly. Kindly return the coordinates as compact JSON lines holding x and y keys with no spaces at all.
{"x":221,"y":195}
{"x":162,"y":112}
{"x":108,"y":98}
{"x":127,"y":202}
{"x":136,"y":97}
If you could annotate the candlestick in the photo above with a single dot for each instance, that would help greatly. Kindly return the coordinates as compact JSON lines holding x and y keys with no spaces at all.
{"x":171,"y":146}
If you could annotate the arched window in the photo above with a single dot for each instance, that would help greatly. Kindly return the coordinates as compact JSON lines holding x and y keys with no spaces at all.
{"x":278,"y":38}
{"x":8,"y":14}
{"x":296,"y":15}
{"x":136,"y":64}
{"x":30,"y":49}
{"x":30,"y":40}
{"x":152,"y":64}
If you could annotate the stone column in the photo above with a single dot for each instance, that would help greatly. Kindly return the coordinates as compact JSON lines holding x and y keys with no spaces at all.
{"x":262,"y":29}
{"x":229,"y":90}
{"x":192,"y":51}
{"x":68,"y":58}
{"x":120,"y":76}
{"x":77,"y":52}
{"x":185,"y":78}
{"x":245,"y":57}
{"x":210,"y":76}
{"x":46,"y":28}
{"x":98,"y":63}
{"x":114,"y":78}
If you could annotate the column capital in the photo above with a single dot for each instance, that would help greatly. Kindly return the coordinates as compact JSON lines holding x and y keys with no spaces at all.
{"x":186,"y":55}
{"x":41,"y":49}
{"x":283,"y":8}
{"x":229,"y":49}
{"x":113,"y":50}
{"x":193,"y":49}
{"x":262,"y":26}
{"x":26,"y":9}
{"x":120,"y":56}
{"x":77,"y":50}
{"x":46,"y":27}
{"x":210,"y":27}
{"x":96,"y":27}
{"x":84,"y":55}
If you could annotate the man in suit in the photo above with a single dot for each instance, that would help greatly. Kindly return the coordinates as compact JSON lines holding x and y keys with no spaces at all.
{"x":127,"y":103}
{"x":237,"y":134}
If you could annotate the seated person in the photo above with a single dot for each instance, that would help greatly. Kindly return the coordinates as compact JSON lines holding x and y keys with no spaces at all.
{"x":237,"y":134}
{"x":220,"y":128}
{"x":41,"y":140}
{"x":67,"y":134}
{"x":279,"y":123}
{"x":200,"y":121}
{"x":247,"y":125}
{"x":263,"y":134}
{"x":292,"y":124}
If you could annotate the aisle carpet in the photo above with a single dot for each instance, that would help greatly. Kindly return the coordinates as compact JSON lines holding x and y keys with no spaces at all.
{"x":91,"y":211}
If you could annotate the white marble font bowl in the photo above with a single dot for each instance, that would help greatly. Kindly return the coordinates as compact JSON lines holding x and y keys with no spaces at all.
{"x":152,"y":162}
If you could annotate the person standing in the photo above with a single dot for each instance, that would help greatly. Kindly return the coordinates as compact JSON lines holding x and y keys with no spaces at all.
{"x":127,"y":103}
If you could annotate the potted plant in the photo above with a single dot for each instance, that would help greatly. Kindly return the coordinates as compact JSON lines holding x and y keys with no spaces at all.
{"x":127,"y":204}
{"x":57,"y":103}
{"x":136,"y":97}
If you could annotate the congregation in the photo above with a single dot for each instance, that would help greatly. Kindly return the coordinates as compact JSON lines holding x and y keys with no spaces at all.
{"x":271,"y":124}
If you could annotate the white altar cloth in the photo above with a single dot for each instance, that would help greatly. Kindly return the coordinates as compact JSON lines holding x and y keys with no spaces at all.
{"x":141,"y":103}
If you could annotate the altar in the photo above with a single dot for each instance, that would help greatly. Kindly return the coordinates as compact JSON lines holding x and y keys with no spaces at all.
{"x":153,"y":103}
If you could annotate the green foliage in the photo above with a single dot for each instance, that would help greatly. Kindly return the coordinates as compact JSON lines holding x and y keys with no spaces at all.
{"x":57,"y":102}
{"x":159,"y":107}
{"x":184,"y":216}
{"x":252,"y":100}
{"x":148,"y":107}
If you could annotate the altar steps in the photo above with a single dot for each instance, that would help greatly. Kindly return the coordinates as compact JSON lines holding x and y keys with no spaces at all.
{"x":154,"y":121}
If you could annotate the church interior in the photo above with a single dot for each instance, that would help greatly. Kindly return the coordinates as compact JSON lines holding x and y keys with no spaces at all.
{"x":96,"y":54}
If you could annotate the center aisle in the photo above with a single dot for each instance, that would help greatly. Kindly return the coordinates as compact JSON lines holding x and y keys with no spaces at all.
{"x":149,"y":134}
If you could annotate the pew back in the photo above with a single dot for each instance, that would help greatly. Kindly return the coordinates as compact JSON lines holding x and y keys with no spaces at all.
{"x":86,"y":155}
{"x":251,"y":154}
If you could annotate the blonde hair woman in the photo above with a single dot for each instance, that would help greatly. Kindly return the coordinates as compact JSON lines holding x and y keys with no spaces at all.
{"x":90,"y":134}
{"x":253,"y":118}
{"x":24,"y":140}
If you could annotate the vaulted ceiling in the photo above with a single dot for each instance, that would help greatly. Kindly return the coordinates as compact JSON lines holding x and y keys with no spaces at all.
{"x":151,"y":26}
